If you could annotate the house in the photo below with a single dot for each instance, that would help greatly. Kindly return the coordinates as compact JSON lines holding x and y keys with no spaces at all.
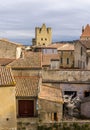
{"x":82,"y":50}
{"x":85,"y":33}
{"x":10,"y":49}
{"x":7,"y":100}
{"x":32,"y":97}
{"x":50,"y":104}
{"x":43,"y":36}
{"x":66,"y":52}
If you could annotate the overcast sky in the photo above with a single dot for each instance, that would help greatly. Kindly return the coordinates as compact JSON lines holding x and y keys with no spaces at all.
{"x":18,"y":18}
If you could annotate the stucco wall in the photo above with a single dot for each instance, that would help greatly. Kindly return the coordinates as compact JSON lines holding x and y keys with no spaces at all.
{"x":7,"y":108}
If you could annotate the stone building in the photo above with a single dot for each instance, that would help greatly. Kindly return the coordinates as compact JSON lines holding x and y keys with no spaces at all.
{"x":43,"y":36}
{"x":7,"y":100}
{"x":85,"y":33}
{"x":81,"y":54}
{"x":66,"y":52}
{"x":10,"y":50}
{"x":50,"y":104}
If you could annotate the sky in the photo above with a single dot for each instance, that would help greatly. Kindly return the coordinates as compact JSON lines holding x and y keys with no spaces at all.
{"x":18,"y":18}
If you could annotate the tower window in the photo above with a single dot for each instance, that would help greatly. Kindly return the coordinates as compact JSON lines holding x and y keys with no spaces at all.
{"x":41,"y":39}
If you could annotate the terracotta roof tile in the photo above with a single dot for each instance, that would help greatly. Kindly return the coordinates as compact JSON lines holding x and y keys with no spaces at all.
{"x":27,"y":86}
{"x":51,"y":93}
{"x":46,"y":58}
{"x":30,"y":60}
{"x":86,"y":31}
{"x":6,"y":77}
{"x":66,"y":47}
{"x":5,"y":61}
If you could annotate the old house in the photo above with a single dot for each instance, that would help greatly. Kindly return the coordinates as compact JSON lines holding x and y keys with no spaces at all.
{"x":10,"y":50}
{"x":7,"y":100}
{"x":43,"y":36}
{"x":52,"y":96}
{"x":66,"y":52}
{"x":82,"y":50}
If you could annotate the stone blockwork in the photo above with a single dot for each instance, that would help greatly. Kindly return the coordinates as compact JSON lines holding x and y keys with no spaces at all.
{"x":76,"y":76}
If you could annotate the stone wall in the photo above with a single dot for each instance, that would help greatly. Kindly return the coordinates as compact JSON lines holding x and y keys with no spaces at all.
{"x":76,"y":76}
{"x":48,"y":109}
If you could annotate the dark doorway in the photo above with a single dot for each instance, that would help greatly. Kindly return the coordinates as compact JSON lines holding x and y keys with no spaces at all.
{"x":26,"y":108}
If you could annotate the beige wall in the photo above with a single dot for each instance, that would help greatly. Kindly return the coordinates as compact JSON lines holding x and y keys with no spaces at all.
{"x":7,"y":108}
{"x":66,"y":55}
{"x":9,"y":50}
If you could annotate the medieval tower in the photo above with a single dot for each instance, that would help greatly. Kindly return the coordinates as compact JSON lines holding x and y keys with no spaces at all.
{"x":43,"y":36}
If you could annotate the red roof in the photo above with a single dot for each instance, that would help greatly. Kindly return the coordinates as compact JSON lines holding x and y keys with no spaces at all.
{"x":86,"y":31}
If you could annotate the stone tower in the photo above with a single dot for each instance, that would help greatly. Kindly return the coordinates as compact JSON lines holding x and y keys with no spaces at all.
{"x":43,"y":36}
{"x":85,"y":33}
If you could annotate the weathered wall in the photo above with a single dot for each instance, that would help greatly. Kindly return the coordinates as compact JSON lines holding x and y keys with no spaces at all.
{"x":78,"y":88}
{"x":7,"y":108}
{"x":66,"y":75}
{"x":47,"y":110}
{"x":85,"y":109}
{"x":26,"y":72}
{"x":80,"y":59}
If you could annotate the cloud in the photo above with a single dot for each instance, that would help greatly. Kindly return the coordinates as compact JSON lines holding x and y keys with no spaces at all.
{"x":66,"y":17}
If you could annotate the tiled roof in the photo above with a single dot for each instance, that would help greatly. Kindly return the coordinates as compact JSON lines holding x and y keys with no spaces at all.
{"x":7,"y":41}
{"x":66,"y":47}
{"x":51,"y":93}
{"x":6,"y":77}
{"x":30,"y":60}
{"x":56,"y":45}
{"x":27,"y":86}
{"x":85,"y":43}
{"x":86,"y":31}
{"x":5,"y":61}
{"x":46,"y":58}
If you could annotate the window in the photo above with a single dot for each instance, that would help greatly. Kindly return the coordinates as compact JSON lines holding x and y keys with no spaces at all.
{"x":86,"y":93}
{"x":67,"y":60}
{"x":26,"y":108}
{"x":41,"y":39}
{"x":45,"y":39}
{"x":81,"y":51}
{"x":61,"y":60}
{"x":74,"y":93}
{"x":55,"y":116}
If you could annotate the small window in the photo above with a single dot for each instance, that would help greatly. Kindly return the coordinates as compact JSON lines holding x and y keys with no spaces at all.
{"x":61,"y":60}
{"x":41,"y":39}
{"x":55,"y":116}
{"x":86,"y":94}
{"x":67,"y":60}
{"x":45,"y":39}
{"x":81,"y":51}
